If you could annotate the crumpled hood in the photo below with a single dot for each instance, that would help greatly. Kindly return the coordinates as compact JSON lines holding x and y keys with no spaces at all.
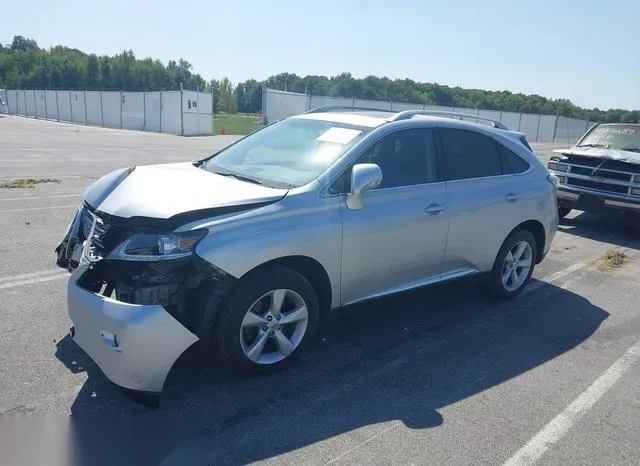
{"x":164,"y":190}
{"x":601,"y":153}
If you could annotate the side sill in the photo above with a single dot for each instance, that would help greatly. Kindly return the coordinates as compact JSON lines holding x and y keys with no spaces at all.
{"x":415,"y":285}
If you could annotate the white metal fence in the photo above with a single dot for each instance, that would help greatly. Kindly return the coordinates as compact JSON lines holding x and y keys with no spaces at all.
{"x":538,"y":128}
{"x":182,"y":112}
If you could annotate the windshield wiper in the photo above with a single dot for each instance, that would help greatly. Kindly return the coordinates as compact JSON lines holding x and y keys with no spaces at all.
{"x":631,"y":148}
{"x":593,"y":145}
{"x":240,"y":177}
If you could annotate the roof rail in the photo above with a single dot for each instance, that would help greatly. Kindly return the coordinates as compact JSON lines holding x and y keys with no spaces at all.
{"x":331,"y":108}
{"x":407,"y":114}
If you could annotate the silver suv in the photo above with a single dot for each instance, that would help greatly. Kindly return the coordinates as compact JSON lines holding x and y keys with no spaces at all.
{"x":245,"y":249}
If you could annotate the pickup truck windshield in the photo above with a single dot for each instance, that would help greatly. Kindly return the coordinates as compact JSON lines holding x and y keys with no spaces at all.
{"x":290,"y":153}
{"x":625,"y":137}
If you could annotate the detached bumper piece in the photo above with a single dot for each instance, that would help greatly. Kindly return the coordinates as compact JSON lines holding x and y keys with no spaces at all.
{"x":134,"y":345}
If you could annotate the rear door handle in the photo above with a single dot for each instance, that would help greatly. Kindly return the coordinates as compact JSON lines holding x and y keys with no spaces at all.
{"x":435,"y":208}
{"x":512,"y":197}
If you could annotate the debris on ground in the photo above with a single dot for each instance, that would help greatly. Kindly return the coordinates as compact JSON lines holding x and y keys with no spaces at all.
{"x":610,"y":260}
{"x":25,"y":183}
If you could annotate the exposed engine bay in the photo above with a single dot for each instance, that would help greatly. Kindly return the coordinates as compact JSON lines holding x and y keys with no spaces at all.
{"x":179,"y":285}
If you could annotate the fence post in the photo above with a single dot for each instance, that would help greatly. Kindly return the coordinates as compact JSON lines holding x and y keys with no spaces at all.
{"x":86,"y":119}
{"x":101,"y":111}
{"x":519,"y":121}
{"x":121,"y":95}
{"x":198,"y":107}
{"x":353,"y":102}
{"x":555,"y":127}
{"x":160,"y":130}
{"x":46,"y":110}
{"x":264,"y":104}
{"x":538,"y":129}
{"x":35,"y":104}
{"x":181,"y":110}
{"x":26,"y":111}
{"x":70,"y":106}
{"x":144,"y":111}
{"x":57,"y":107}
{"x":213,"y":118}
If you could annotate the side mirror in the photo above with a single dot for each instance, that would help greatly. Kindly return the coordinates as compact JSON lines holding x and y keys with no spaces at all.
{"x":364,"y":177}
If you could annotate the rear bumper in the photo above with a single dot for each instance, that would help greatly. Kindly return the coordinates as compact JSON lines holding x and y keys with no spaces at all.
{"x":135,"y":346}
{"x":590,"y":200}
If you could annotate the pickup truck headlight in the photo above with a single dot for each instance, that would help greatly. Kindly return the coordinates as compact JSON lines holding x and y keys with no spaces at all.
{"x":559,"y":167}
{"x":145,"y":247}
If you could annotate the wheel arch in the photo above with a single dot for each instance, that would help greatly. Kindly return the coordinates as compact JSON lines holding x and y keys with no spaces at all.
{"x":306,"y":266}
{"x":309,"y":268}
{"x":537,"y":230}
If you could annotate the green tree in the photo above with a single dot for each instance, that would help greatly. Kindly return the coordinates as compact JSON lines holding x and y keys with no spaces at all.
{"x":23,"y":64}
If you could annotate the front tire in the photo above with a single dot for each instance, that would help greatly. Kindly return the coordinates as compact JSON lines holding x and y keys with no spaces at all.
{"x":514,"y":265}
{"x":266,"y":321}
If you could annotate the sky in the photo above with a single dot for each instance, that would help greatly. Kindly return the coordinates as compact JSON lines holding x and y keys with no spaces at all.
{"x":582,"y":50}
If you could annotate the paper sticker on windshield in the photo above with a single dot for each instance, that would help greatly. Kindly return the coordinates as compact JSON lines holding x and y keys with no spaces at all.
{"x":338,"y":135}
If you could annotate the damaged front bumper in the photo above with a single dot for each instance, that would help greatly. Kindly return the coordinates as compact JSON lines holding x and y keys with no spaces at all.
{"x":133,"y":319}
{"x":134,"y":345}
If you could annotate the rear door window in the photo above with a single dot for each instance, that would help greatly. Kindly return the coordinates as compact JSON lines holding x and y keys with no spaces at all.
{"x":469,"y":154}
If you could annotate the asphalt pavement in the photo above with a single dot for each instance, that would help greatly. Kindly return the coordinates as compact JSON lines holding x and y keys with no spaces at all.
{"x":437,"y":376}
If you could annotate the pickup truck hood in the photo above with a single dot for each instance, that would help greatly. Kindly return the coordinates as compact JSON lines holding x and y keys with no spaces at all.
{"x":601,"y":153}
{"x":164,"y":190}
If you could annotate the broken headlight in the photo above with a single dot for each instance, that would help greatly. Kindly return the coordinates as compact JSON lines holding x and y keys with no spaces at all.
{"x":146,"y":247}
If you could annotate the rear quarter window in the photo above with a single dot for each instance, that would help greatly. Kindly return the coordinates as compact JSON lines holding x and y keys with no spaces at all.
{"x":512,"y":162}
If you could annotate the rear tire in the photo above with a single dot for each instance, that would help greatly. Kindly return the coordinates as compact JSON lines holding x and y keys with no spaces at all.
{"x":514,"y":265}
{"x":266,"y":321}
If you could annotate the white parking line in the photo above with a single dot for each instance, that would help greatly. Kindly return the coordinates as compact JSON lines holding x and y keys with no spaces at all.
{"x":13,"y":281}
{"x":553,"y":277}
{"x":8,"y":211}
{"x":559,"y":426}
{"x":28,"y":198}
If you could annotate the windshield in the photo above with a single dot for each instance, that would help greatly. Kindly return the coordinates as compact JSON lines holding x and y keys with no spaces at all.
{"x":613,"y":137}
{"x":290,"y":153}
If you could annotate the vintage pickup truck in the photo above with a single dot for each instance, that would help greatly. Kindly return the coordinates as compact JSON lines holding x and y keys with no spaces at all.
{"x":601,"y":171}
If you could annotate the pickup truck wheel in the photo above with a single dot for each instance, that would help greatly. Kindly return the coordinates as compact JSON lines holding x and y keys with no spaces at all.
{"x":514,"y":265}
{"x":564,"y":211}
{"x":266,"y":321}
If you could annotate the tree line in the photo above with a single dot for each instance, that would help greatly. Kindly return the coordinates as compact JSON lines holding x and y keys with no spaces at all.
{"x":25,"y":65}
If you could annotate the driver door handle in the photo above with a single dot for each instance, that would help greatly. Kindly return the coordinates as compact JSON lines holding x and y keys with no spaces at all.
{"x":435,"y":208}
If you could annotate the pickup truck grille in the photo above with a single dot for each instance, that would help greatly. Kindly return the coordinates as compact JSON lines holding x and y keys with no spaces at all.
{"x":612,"y":188}
{"x":602,"y":174}
{"x":609,"y":175}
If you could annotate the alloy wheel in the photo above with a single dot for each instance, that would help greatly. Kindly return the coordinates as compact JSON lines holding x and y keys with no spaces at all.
{"x":274,"y":326}
{"x":516,"y":266}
